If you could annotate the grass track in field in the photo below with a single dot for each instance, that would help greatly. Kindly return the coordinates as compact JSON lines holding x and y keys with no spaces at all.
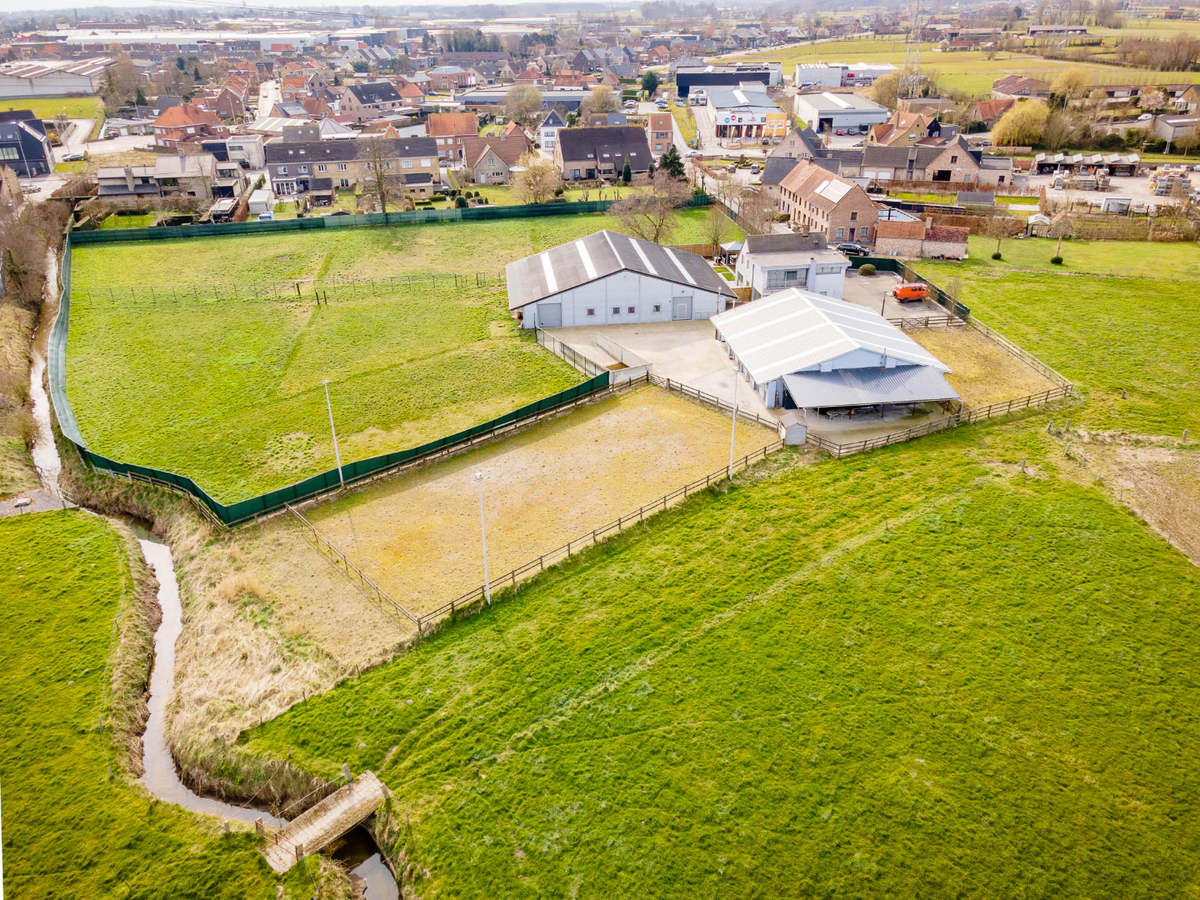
{"x":69,"y":829}
{"x":913,"y":673}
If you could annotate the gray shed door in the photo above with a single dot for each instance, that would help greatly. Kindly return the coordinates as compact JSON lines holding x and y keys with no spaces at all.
{"x":550,"y":315}
{"x":681,"y":308}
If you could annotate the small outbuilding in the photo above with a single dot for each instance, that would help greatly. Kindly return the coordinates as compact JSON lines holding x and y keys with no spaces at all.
{"x":805,"y":351}
{"x":609,"y":278}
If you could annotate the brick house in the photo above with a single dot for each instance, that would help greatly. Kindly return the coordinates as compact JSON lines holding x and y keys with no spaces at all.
{"x":587,"y":153}
{"x":921,"y":240}
{"x":956,"y":163}
{"x":448,"y":78}
{"x":449,"y":130}
{"x":660,"y":131}
{"x":489,"y":160}
{"x":186,"y":124}
{"x":818,"y":201}
{"x":370,"y":100}
{"x":296,"y":162}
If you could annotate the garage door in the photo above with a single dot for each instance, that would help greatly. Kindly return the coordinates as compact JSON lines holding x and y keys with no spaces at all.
{"x":550,"y":315}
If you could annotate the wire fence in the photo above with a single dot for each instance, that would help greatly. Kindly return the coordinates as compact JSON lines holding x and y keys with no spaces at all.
{"x":318,"y":289}
{"x":568,"y":353}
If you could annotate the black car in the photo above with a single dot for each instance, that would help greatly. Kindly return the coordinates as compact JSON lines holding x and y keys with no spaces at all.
{"x":852,"y":249}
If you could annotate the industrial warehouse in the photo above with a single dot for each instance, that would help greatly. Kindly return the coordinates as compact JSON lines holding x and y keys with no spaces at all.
{"x":609,"y":278}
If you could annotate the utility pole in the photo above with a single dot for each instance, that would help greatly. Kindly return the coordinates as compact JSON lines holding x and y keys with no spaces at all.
{"x":336,"y":453}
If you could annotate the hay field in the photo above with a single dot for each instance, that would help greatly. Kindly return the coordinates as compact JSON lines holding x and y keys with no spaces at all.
{"x":983,"y":372}
{"x":418,"y":536}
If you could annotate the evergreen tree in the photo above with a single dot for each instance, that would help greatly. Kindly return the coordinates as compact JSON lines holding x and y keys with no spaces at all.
{"x":140,"y":99}
{"x":671,"y":163}
{"x":650,"y":82}
{"x":626,"y":172}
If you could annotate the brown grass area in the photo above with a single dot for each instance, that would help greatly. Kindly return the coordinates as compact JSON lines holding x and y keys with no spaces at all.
{"x":983,"y":372}
{"x":419,"y":537}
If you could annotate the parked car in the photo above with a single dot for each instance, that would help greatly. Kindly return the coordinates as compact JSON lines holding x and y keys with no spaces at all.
{"x":840,"y":131}
{"x":1145,"y":117}
{"x":911,"y":291}
{"x":754,"y":169}
{"x":266,"y":217}
{"x":731,"y":168}
{"x":631,"y":104}
{"x":30,"y":189}
{"x":985,"y":143}
{"x":692,"y":154}
{"x":72,"y":157}
{"x":849,"y":248}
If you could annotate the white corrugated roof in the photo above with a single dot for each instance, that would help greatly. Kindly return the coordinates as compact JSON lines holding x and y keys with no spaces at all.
{"x":795,"y":330}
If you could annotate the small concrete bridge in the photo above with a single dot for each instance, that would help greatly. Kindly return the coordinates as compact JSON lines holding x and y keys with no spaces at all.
{"x":324,"y":823}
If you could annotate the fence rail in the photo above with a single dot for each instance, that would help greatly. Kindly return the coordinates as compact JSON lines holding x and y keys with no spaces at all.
{"x":593,"y":537}
{"x":715,"y":402}
{"x":926,"y":322}
{"x":1016,"y":351}
{"x":323,"y":543}
{"x":568,"y":353}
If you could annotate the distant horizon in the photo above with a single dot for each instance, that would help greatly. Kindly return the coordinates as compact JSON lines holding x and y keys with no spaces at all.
{"x":21,"y":7}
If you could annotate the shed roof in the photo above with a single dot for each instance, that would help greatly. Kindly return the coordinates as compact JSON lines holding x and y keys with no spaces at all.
{"x":868,"y":387}
{"x":794,"y":329}
{"x":599,"y":255}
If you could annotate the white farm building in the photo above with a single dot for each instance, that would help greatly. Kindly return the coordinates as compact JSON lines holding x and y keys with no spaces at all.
{"x":824,"y":353}
{"x":608,"y":278}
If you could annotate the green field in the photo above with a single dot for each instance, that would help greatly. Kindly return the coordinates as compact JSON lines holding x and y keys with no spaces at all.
{"x":49,"y":107}
{"x":1135,"y":330}
{"x":968,"y":71}
{"x":230,"y":392}
{"x":71,"y":830}
{"x":914,"y":673}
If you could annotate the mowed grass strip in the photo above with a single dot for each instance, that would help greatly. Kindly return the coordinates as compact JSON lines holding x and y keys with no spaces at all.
{"x":1138,"y":334}
{"x":229,"y":393}
{"x":913,"y":674}
{"x":71,"y":830}
{"x":448,"y":247}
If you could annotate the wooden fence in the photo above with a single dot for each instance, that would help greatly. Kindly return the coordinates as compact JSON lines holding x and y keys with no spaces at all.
{"x":715,"y":402}
{"x":926,"y":322}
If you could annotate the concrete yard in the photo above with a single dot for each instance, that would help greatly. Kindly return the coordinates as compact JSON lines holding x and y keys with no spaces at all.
{"x":418,"y":535}
{"x":874,"y":293}
{"x":682,"y":351}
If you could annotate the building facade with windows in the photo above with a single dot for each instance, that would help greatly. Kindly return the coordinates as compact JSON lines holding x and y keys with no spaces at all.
{"x":768,"y":263}
{"x":292,"y":165}
{"x":820,"y":202}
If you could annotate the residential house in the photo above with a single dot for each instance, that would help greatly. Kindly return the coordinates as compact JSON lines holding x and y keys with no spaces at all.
{"x":547,"y":131}
{"x":532,"y":76}
{"x":370,"y":100}
{"x":244,"y":149}
{"x":605,"y":120}
{"x":411,"y":94}
{"x":293,"y":87}
{"x":194,"y":175}
{"x":230,"y":103}
{"x":490,"y":159}
{"x":449,"y":129}
{"x":449,"y":78}
{"x":775,"y":262}
{"x":587,"y":153}
{"x":186,"y":124}
{"x":992,"y":111}
{"x":24,"y":145}
{"x":819,"y":202}
{"x":921,"y":240}
{"x":300,"y":157}
{"x":905,"y":129}
{"x":1015,"y":87}
{"x":660,"y":132}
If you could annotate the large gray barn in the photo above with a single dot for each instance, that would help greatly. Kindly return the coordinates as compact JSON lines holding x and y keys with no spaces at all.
{"x":608,"y":278}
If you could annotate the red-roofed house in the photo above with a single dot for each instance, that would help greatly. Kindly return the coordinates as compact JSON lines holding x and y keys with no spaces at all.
{"x":186,"y":124}
{"x":916,"y":240}
{"x":449,"y":129}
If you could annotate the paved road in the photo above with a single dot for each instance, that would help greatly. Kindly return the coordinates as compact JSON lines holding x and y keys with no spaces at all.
{"x":268,"y":96}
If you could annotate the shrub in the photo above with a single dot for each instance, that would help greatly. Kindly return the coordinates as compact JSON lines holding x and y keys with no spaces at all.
{"x":866,"y":269}
{"x":460,"y":202}
{"x":996,"y":255}
{"x":1056,"y":260}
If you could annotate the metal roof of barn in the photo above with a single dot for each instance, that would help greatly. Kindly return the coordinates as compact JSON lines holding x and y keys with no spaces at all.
{"x":794,"y":330}
{"x":868,"y":387}
{"x":602,"y":254}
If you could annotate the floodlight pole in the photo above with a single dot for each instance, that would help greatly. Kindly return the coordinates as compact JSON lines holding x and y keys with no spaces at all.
{"x":733,"y":427}
{"x":336,"y":453}
{"x":487,"y":581}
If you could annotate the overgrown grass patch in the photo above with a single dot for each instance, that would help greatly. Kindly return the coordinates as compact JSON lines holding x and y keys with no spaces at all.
{"x":916,"y":673}
{"x":72,"y":825}
{"x":229,"y":392}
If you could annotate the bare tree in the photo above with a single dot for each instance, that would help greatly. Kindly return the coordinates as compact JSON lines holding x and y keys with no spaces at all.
{"x":523,"y":104}
{"x":716,"y":228}
{"x":757,"y":210}
{"x":651,"y":215}
{"x":601,"y":99}
{"x":539,"y":180}
{"x":380,"y":159}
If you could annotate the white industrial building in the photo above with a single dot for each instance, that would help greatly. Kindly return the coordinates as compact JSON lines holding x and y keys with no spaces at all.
{"x":769,"y":263}
{"x":840,"y":74}
{"x":608,"y":278}
{"x":52,"y":78}
{"x":799,"y":348}
{"x":829,"y":112}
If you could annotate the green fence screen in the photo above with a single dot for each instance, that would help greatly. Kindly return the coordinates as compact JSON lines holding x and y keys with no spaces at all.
{"x":247,"y":510}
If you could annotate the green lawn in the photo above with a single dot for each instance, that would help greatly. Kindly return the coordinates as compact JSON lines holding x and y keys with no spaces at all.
{"x":686,"y":121}
{"x":49,"y":107}
{"x":915,"y":673}
{"x":230,"y":392}
{"x":1136,"y":332}
{"x":71,"y":830}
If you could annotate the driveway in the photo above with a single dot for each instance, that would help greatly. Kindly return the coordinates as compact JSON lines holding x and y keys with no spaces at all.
{"x":687,"y":352}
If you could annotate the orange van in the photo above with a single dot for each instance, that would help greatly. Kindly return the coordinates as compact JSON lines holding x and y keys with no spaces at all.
{"x":909,"y":291}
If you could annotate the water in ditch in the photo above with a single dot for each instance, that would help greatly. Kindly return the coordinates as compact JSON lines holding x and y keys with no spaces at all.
{"x":358,"y":851}
{"x":45,"y":453}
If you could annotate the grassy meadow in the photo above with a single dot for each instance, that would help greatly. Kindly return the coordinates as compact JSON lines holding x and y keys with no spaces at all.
{"x":72,"y":829}
{"x":919,"y":672}
{"x":49,"y":107}
{"x":1133,"y":327}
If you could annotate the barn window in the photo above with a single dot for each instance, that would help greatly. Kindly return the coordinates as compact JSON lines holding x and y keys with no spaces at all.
{"x":657,"y":308}
{"x":631,"y":310}
{"x":616,"y":310}
{"x":591,"y":312}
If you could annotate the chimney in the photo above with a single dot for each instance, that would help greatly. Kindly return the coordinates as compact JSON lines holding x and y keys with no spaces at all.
{"x":810,"y":281}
